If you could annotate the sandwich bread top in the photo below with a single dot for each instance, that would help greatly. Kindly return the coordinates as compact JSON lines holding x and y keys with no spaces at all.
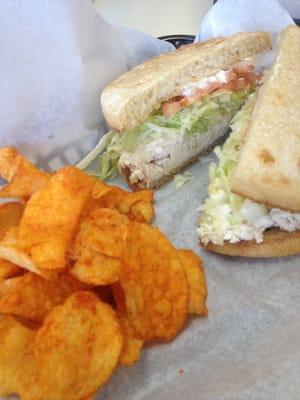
{"x":130,"y":99}
{"x":268,"y":170}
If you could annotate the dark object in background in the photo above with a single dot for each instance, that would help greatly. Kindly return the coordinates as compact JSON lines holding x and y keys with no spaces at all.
{"x":178,"y":40}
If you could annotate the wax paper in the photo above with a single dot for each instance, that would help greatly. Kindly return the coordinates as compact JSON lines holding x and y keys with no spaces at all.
{"x":248,"y":346}
{"x":56,"y":57}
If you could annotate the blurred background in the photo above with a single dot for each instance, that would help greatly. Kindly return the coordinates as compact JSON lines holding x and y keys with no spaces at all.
{"x":157,"y":17}
{"x":166,"y":17}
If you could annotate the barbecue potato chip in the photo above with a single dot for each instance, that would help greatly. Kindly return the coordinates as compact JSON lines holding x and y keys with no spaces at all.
{"x":17,"y":365}
{"x":154,"y":284}
{"x":10,"y":215}
{"x":141,"y":211}
{"x":88,"y":398}
{"x":77,"y":347}
{"x":98,"y":246}
{"x":124,"y":201}
{"x":10,"y":251}
{"x":100,"y":188}
{"x":32,"y":297}
{"x":51,"y":217}
{"x":23,"y":177}
{"x":8,"y":269}
{"x":192,"y":265}
{"x":95,"y":268}
{"x":132,"y":345}
{"x":103,"y":230}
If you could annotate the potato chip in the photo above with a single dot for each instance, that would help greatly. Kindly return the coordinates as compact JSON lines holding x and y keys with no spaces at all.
{"x":51,"y":217}
{"x":124,"y":201}
{"x":154,"y":284}
{"x":32,"y":297}
{"x":95,"y":268}
{"x":131,"y":352}
{"x":88,"y":398}
{"x":132,"y":345}
{"x":77,"y":347}
{"x":10,"y":251}
{"x":10,"y":214}
{"x":103,"y":230}
{"x":141,"y":211}
{"x":98,"y":247}
{"x":100,"y":188}
{"x":17,"y":365}
{"x":192,"y":265}
{"x":23,"y":177}
{"x":8,"y":269}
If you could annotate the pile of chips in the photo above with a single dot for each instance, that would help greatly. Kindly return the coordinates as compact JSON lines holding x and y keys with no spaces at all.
{"x":85,"y":281}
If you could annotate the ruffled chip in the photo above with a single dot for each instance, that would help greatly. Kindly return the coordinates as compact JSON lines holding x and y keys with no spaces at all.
{"x":10,"y":215}
{"x":131,"y":351}
{"x":8,"y":269}
{"x":196,"y":280}
{"x":23,"y":177}
{"x":137,"y":205}
{"x":51,"y":216}
{"x":154,"y":284}
{"x":10,"y":251}
{"x":78,"y":346}
{"x":98,"y":247}
{"x":31,"y":297}
{"x":95,"y":268}
{"x":17,"y":364}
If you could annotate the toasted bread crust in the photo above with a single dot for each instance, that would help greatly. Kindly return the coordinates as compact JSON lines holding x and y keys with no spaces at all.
{"x":268,"y":169}
{"x":277,"y":243}
{"x":130,"y":99}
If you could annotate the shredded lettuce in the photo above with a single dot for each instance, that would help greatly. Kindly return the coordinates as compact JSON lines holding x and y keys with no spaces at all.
{"x":224,"y":209}
{"x":197,"y":118}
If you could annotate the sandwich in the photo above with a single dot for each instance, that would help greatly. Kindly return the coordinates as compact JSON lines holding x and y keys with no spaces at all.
{"x":253,"y":207}
{"x":168,"y":111}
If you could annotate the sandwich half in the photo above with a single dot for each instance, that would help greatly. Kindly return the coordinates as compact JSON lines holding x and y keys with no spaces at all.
{"x":169,"y":110}
{"x":253,"y":208}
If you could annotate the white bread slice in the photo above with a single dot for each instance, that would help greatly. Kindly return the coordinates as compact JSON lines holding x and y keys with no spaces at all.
{"x":268,"y":170}
{"x":130,"y":99}
{"x":277,"y":243}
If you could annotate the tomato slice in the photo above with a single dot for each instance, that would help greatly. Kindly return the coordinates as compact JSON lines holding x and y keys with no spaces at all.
{"x":171,"y":107}
{"x":240,"y":76}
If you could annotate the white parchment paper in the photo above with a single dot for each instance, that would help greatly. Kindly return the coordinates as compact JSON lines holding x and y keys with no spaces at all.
{"x":248,"y":347}
{"x":231,"y":16}
{"x":56,"y":57}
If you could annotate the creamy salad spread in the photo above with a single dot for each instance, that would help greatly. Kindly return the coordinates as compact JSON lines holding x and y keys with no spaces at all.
{"x":227,"y":216}
{"x":220,"y":77}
